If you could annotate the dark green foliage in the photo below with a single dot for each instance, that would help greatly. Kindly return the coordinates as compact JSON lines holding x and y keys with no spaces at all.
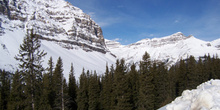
{"x":72,"y":105}
{"x":120,"y":88}
{"x":161,"y":84}
{"x":82,"y":93}
{"x":30,"y":58}
{"x":122,"y":92}
{"x":94,"y":92}
{"x":17,"y":95}
{"x":58,"y":84}
{"x":146,"y":98}
{"x":4,"y":89}
{"x":106,"y":93}
{"x":192,"y":75}
{"x":133,"y":84}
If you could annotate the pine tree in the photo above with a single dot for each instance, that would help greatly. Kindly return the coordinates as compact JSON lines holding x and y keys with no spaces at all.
{"x":133,"y":84}
{"x":161,"y":84}
{"x":58,"y":85}
{"x":5,"y":84}
{"x":200,"y":71}
{"x":192,"y":75}
{"x":50,"y":74}
{"x":107,"y":89}
{"x":66,"y":97}
{"x":17,"y":95}
{"x":45,"y":93}
{"x":146,"y":98}
{"x":82,"y":93}
{"x":72,"y":89}
{"x":182,"y":77}
{"x":122,"y":91}
{"x":94,"y":92}
{"x":30,"y":58}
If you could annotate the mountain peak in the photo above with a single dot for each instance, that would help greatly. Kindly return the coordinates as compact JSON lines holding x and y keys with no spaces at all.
{"x":64,"y":31}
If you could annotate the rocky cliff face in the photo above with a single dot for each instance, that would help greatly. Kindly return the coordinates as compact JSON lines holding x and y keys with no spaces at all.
{"x":54,"y":20}
{"x":65,"y":32}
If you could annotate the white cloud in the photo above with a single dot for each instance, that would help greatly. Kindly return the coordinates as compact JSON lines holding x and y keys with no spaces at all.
{"x":176,"y":21}
{"x":91,"y":14}
{"x":117,"y":39}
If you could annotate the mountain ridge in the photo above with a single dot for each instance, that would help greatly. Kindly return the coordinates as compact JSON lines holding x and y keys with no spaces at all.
{"x":67,"y":32}
{"x":169,"y":49}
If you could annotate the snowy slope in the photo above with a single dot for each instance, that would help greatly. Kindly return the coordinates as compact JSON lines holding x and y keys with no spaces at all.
{"x":169,"y":49}
{"x":205,"y":97}
{"x":9,"y":45}
{"x":65,"y":30}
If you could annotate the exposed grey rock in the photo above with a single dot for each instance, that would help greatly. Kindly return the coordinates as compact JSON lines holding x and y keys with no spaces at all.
{"x":54,"y":18}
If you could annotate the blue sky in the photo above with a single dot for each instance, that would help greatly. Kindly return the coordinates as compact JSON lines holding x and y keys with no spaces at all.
{"x":129,"y":21}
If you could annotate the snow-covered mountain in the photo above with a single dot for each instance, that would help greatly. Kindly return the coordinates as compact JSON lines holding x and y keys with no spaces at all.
{"x":169,"y":49}
{"x":64,"y":29}
{"x":205,"y":97}
{"x":67,"y":32}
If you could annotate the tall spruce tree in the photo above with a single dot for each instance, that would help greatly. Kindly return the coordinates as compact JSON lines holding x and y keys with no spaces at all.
{"x":5,"y":83}
{"x":133,"y":84}
{"x":72,"y":89}
{"x":82,"y":93}
{"x":122,"y":92}
{"x":94,"y":92}
{"x":30,"y":58}
{"x":58,"y":85}
{"x":51,"y":90}
{"x":44,"y":102}
{"x":106,"y":90}
{"x":146,"y":98}
{"x":17,"y":95}
{"x":191,"y":73}
{"x":182,"y":77}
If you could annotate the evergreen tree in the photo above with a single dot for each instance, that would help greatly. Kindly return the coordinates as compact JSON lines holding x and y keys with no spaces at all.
{"x":66,"y":97}
{"x":58,"y":85}
{"x":94,"y":92}
{"x":30,"y":58}
{"x":82,"y":93}
{"x":72,"y":90}
{"x":106,"y":97}
{"x":200,"y":71}
{"x":45,"y":101}
{"x":133,"y":84}
{"x":5,"y":84}
{"x":161,"y":84}
{"x":51,"y":90}
{"x":182,"y":78}
{"x":146,"y":98}
{"x":192,"y":75}
{"x":17,"y":95}
{"x":122,"y":92}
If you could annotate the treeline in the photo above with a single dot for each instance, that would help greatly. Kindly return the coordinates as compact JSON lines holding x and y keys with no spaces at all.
{"x":147,"y":86}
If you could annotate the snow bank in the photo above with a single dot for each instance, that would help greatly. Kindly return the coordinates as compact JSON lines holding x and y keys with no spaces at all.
{"x":205,"y":97}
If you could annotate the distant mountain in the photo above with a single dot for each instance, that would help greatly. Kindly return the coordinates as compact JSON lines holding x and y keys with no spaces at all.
{"x":67,"y":32}
{"x":64,"y":30}
{"x":169,"y":49}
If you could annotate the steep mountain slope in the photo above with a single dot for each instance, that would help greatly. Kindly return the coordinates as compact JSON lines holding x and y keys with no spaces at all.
{"x":64,"y":29}
{"x":169,"y":49}
{"x":205,"y":97}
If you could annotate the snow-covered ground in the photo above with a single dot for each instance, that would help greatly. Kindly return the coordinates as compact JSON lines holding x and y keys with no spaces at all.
{"x":10,"y":43}
{"x":205,"y":97}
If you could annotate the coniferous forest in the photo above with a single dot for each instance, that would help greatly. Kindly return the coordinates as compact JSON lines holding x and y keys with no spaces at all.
{"x":148,"y":85}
